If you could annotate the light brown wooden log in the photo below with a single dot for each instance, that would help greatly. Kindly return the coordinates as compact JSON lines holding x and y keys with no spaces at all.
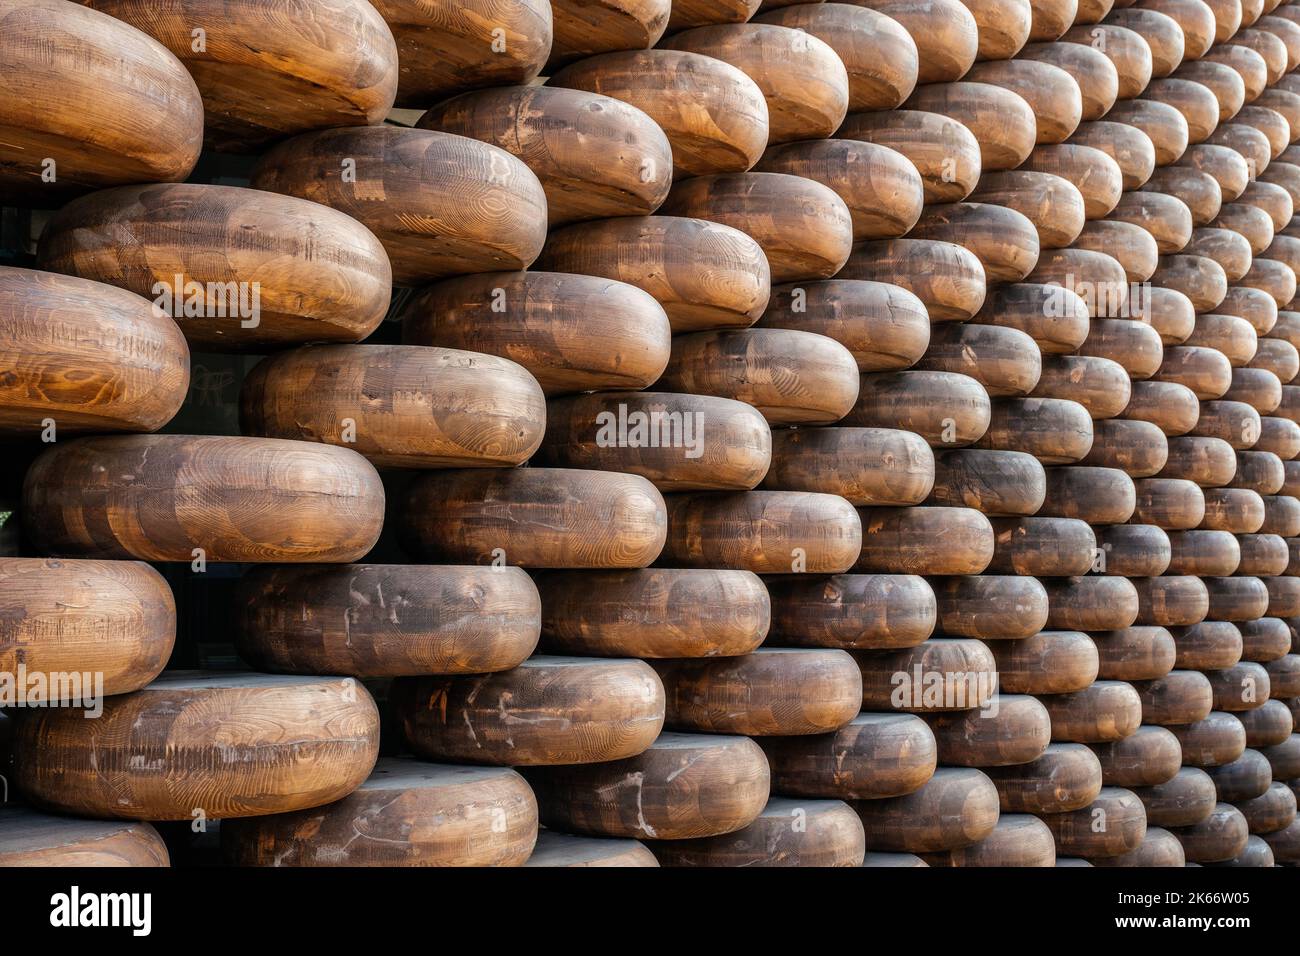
{"x":788,"y":833}
{"x":93,"y":132}
{"x":1134,"y":550}
{"x":1221,"y":80}
{"x":949,"y":279}
{"x":1094,"y":11}
{"x":1129,"y":147}
{"x":1053,"y":316}
{"x":927,"y":540}
{"x":1264,"y":556}
{"x":1208,"y":645}
{"x":990,"y":481}
{"x":680,"y":612}
{"x":31,"y":839}
{"x":1003,"y":240}
{"x":1162,"y":123}
{"x":1194,"y":18}
{"x":1048,"y":662}
{"x":1227,"y":17}
{"x":585,"y":29}
{"x":1209,"y":462}
{"x":916,"y":822}
{"x":1199,"y":278}
{"x":1170,"y":407}
{"x":874,"y":756}
{"x":1051,"y":18}
{"x":1053,"y":430}
{"x":1042,"y":546}
{"x":1066,"y":777}
{"x":1265,"y":639}
{"x":991,"y":607}
{"x":946,"y":35}
{"x":1197,"y":103}
{"x":1003,"y":27}
{"x":1002,"y":122}
{"x":683,"y":786}
{"x":1281,"y":436}
{"x":1018,"y":840}
{"x":1005,"y":361}
{"x":944,"y":152}
{"x":1185,"y":800}
{"x":947,"y":409}
{"x":767,"y":532}
{"x":1129,"y":244}
{"x":1092,"y":70}
{"x":852,"y":611}
{"x":1092,"y":171}
{"x":1168,"y":503}
{"x":1250,"y":221}
{"x":941,"y":674}
{"x":1205,"y":371}
{"x":1252,"y":67}
{"x":1221,"y":836}
{"x":1197,"y":190}
{"x":689,"y":13}
{"x":1125,"y":48}
{"x":1276,"y":278}
{"x":555,"y":849}
{"x":1147,"y":757}
{"x":1230,"y":334}
{"x":1097,"y":278}
{"x":1134,"y":653}
{"x":1237,"y":599}
{"x":1122,"y":830}
{"x":1011,"y":729}
{"x":1130,"y":343}
{"x":1274,"y":126}
{"x":1238,"y":424}
{"x":1051,"y":203}
{"x":535,"y":518}
{"x":1051,"y":92}
{"x":1161,"y":32}
{"x":1204,"y":552}
{"x":866,"y":466}
{"x":1102,"y":712}
{"x":1169,"y":312}
{"x":1095,"y":495}
{"x":1216,"y":739}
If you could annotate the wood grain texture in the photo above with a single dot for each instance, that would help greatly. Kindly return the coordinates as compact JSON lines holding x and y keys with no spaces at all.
{"x":1162,"y":33}
{"x":86,"y":355}
{"x":583,"y":28}
{"x":686,"y":612}
{"x":1004,"y":240}
{"x":1053,"y":430}
{"x":1051,"y":18}
{"x":1066,"y":777}
{"x":925,"y":540}
{"x":1169,"y":503}
{"x":1102,"y":712}
{"x":1135,"y":653}
{"x":942,"y":674}
{"x":1095,"y":495}
{"x":29,"y":838}
{"x":946,"y":35}
{"x":919,"y":822}
{"x":866,"y":466}
{"x":1125,"y":48}
{"x":115,"y":619}
{"x":1163,"y":124}
{"x":1012,"y":729}
{"x":75,"y":80}
{"x":1221,"y":80}
{"x":440,"y":204}
{"x":406,"y":813}
{"x":403,"y":406}
{"x":229,"y":745}
{"x":1018,"y":840}
{"x":1129,"y":147}
{"x":852,"y":611}
{"x":1091,"y":69}
{"x":944,"y":152}
{"x":1052,"y":203}
{"x":536,"y":518}
{"x":1172,"y":408}
{"x":788,"y":833}
{"x":1197,"y":103}
{"x":949,"y":279}
{"x":160,"y":497}
{"x":705,"y":275}
{"x":1047,"y":662}
{"x":997,"y":483}
{"x":991,"y":607}
{"x":386,"y":620}
{"x":1097,"y":278}
{"x":1050,"y":91}
{"x":713,"y":114}
{"x":872,"y":757}
{"x":1124,"y":826}
{"x":546,"y":711}
{"x":555,"y":849}
{"x":1147,"y":757}
{"x":1053,"y":316}
{"x":1203,"y":552}
{"x":314,"y":274}
{"x":1221,"y":836}
{"x":1185,"y":800}
{"x":1002,"y":122}
{"x":1003,"y":27}
{"x":1171,"y":600}
{"x":1208,"y":645}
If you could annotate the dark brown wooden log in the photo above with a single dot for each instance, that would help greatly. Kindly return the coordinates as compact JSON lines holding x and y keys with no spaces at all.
{"x":1281,"y":436}
{"x":1257,"y":853}
{"x":1005,"y":361}
{"x":852,"y":611}
{"x":949,"y":279}
{"x":546,"y":711}
{"x":407,"y":813}
{"x":1003,"y":240}
{"x":820,"y":833}
{"x":946,"y":35}
{"x":1053,"y":316}
{"x":1205,"y":371}
{"x":1011,"y":729}
{"x":380,"y":620}
{"x":1260,"y":389}
{"x":928,"y":540}
{"x":1285,"y":843}
{"x":535,"y":518}
{"x":1171,"y":407}
{"x":1204,"y":553}
{"x":1237,"y":599}
{"x":1113,"y":824}
{"x":1003,"y":123}
{"x":584,"y":29}
{"x":713,"y":114}
{"x":95,"y":135}
{"x":1048,"y":662}
{"x":187,"y":498}
{"x":1129,"y":147}
{"x":1053,"y":430}
{"x":1131,"y":245}
{"x":767,"y":532}
{"x":680,"y":613}
{"x":564,"y":849}
{"x":1264,"y":556}
{"x":1267,"y":725}
{"x":1066,"y":777}
{"x":488,"y":213}
{"x":1260,"y":471}
{"x":84,"y":356}
{"x":1147,"y":757}
{"x":1209,"y":462}
{"x":803,"y":80}
{"x":1134,"y":551}
{"x":1216,"y":739}
{"x":287,"y":743}
{"x":1125,"y":48}
{"x":1271,"y":811}
{"x":1168,"y":503}
{"x":991,"y":607}
{"x":1042,"y":547}
{"x":1185,"y":800}
{"x":1221,"y":836}
{"x":1175,"y":700}
{"x":770,"y":692}
{"x":29,"y":838}
{"x":1018,"y":840}
{"x":1092,"y":70}
{"x":705,"y":275}
{"x":944,"y":152}
{"x":1284,"y":672}
{"x":942,"y":674}
{"x":1284,"y":758}
{"x":993,"y":482}
{"x":917,"y":822}
{"x":1265,"y":639}
{"x":1095,"y":495}
{"x":1245,"y":685}
{"x":623,"y":168}
{"x":679,"y":442}
{"x":1135,"y":653}
{"x":791,"y":377}
{"x":683,"y":786}
{"x":1243,"y":779}
{"x":1091,"y":171}
{"x":874,"y":756}
{"x":1208,"y":645}
{"x":947,"y":409}
{"x":1237,"y":510}
{"x":1281,"y":517}
{"x":1103,"y":712}
{"x":1159,"y":848}
{"x":866,"y":466}
{"x":877,"y":51}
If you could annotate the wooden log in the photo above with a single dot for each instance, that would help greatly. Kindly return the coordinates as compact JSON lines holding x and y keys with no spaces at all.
{"x":821,"y":833}
{"x":1129,"y":147}
{"x":690,"y":13}
{"x":927,"y":540}
{"x":186,"y":498}
{"x":1168,"y":503}
{"x":1237,"y":599}
{"x":1051,"y":18}
{"x":1011,"y":729}
{"x":535,"y":518}
{"x":1221,"y":836}
{"x":1283,"y":672}
{"x":1095,"y":495}
{"x":993,"y":482}
{"x":29,"y":838}
{"x":1134,"y":653}
{"x":944,"y":152}
{"x":1228,"y":16}
{"x":946,"y":35}
{"x":1051,"y":203}
{"x":1285,"y":174}
{"x":1265,"y":556}
{"x":1281,"y":436}
{"x":1250,"y":221}
{"x":1134,"y":551}
{"x":1125,"y":48}
{"x":1271,"y":811}
{"x":1002,"y":122}
{"x":1053,"y":316}
{"x":488,"y":213}
{"x":878,"y":53}
{"x":1003,"y":240}
{"x":1129,"y":244}
{"x":1285,"y":844}
{"x":1257,"y":853}
{"x":678,"y":442}
{"x":681,"y":613}
{"x":95,"y":136}
{"x":1274,"y":200}
{"x":1284,"y":758}
{"x":1243,"y":779}
{"x":539,"y":124}
{"x":1048,"y":662}
{"x":1216,"y":739}
{"x":1184,"y":801}
{"x":1100,"y":713}
{"x":714,"y":115}
{"x":1209,"y":462}
{"x":1124,"y":824}
{"x":947,"y":409}
{"x":1094,"y":11}
{"x":564,"y":849}
{"x":1097,"y":278}
{"x":1277,"y":356}
{"x":1221,"y":80}
{"x":941,"y":674}
{"x":991,"y":607}
{"x":1284,"y":27}
{"x":318,"y":275}
{"x":1163,"y":124}
{"x":386,"y":620}
{"x":1171,"y":407}
{"x":406,"y":813}
{"x":683,"y":786}
{"x":572,"y":333}
{"x":874,"y":756}
{"x":1250,"y":66}
{"x":1274,"y":126}
{"x":852,"y":611}
{"x":1147,"y":757}
{"x":705,"y":275}
{"x":1003,"y":27}
{"x":1158,"y":848}
{"x":253,"y":767}
{"x":917,"y":822}
{"x":1051,"y":92}
{"x":866,"y":466}
{"x":1197,"y":190}
{"x":1260,"y":471}
{"x":770,"y":692}
{"x":1054,"y":430}
{"x":546,"y":711}
{"x":1066,"y":777}
{"x":1169,"y":312}
{"x":1196,"y":21}
{"x":1003,"y":360}
{"x":1267,"y":725}
{"x":1258,"y":388}
{"x":85,"y":356}
{"x":1092,"y":70}
{"x":583,"y":29}
{"x":1162,"y":33}
{"x":1206,"y":371}
{"x":1018,"y":840}
{"x":1230,"y":334}
{"x":1275,"y":278}
{"x":1130,"y":343}
{"x":1281,"y":517}
{"x":767,"y":532}
{"x":1237,"y":510}
{"x":791,"y":377}
{"x":1042,"y":547}
{"x":1203,"y":552}
{"x":1175,"y":700}
{"x":1265,"y":639}
{"x":1208,"y":645}
{"x":1199,"y":278}
{"x":1197,"y":103}
{"x":1091,"y":171}
{"x":884,"y":326}
{"x":801,"y":77}
{"x":949,"y":279}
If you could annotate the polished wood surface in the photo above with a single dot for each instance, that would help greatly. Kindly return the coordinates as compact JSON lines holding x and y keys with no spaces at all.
{"x":29,"y":838}
{"x":872,"y":757}
{"x":788,"y":833}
